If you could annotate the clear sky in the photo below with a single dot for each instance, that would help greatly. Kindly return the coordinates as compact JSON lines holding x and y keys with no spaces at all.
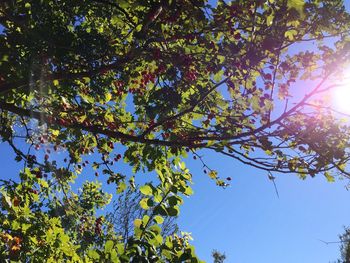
{"x":247,"y":221}
{"x":250,"y":224}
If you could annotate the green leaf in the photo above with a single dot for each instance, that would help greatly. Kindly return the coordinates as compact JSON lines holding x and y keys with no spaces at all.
{"x":93,"y":254}
{"x":297,"y":5}
{"x":158,"y":239}
{"x":108,"y":246}
{"x":160,"y":210}
{"x":108,"y":97}
{"x":269,"y":19}
{"x":145,"y":219}
{"x":329,"y":177}
{"x":173,"y":200}
{"x":120,"y":248}
{"x":55,"y":132}
{"x":114,"y":257}
{"x":137,"y":223}
{"x":121,"y":187}
{"x":43,"y":184}
{"x":86,"y":79}
{"x":115,"y":20}
{"x":6,"y":198}
{"x":218,"y":76}
{"x":221,"y":58}
{"x":158,"y":219}
{"x":144,"y":203}
{"x":123,"y":4}
{"x":213,"y":174}
{"x":188,"y":191}
{"x":290,"y":34}
{"x":138,"y":28}
{"x":146,"y":189}
{"x":173,"y":211}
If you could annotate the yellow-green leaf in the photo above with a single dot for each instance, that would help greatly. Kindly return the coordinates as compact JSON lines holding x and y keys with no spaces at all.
{"x":146,"y":190}
{"x":158,"y":219}
{"x":213,"y":174}
{"x":143,"y":203}
{"x":137,"y":223}
{"x":55,"y":82}
{"x":138,"y":28}
{"x":290,"y":34}
{"x":297,"y":5}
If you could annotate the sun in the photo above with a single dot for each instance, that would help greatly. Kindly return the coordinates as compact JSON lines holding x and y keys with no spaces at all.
{"x":341,"y":99}
{"x":340,"y":93}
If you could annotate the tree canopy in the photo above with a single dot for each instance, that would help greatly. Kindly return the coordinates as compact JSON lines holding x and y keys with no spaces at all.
{"x":152,"y":83}
{"x":218,"y":257}
{"x":344,"y":246}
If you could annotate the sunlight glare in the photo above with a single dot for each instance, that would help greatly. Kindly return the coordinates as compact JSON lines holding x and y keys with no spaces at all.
{"x":341,"y":99}
{"x":340,"y":95}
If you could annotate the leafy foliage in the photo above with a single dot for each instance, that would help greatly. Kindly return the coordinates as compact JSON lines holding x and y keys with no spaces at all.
{"x":345,"y":246}
{"x":151,"y":83}
{"x":218,"y":257}
{"x":132,"y":205}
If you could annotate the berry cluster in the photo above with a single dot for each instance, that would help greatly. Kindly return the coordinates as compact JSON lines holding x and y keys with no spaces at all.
{"x":98,"y":225}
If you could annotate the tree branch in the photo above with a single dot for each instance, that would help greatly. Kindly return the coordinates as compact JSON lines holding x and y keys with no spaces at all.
{"x":44,"y":117}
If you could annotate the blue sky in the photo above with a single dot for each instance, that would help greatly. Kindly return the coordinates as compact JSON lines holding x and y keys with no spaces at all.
{"x":250,"y":224}
{"x":247,"y":221}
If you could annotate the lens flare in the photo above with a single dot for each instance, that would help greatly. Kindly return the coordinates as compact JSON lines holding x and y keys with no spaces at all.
{"x":341,"y":99}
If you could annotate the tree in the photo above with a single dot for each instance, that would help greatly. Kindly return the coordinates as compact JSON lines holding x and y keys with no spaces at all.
{"x":129,"y":207}
{"x":151,"y":83}
{"x":218,"y":256}
{"x":345,"y":246}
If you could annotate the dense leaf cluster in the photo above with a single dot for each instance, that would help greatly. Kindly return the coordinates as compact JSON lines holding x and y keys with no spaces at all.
{"x":151,"y":83}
